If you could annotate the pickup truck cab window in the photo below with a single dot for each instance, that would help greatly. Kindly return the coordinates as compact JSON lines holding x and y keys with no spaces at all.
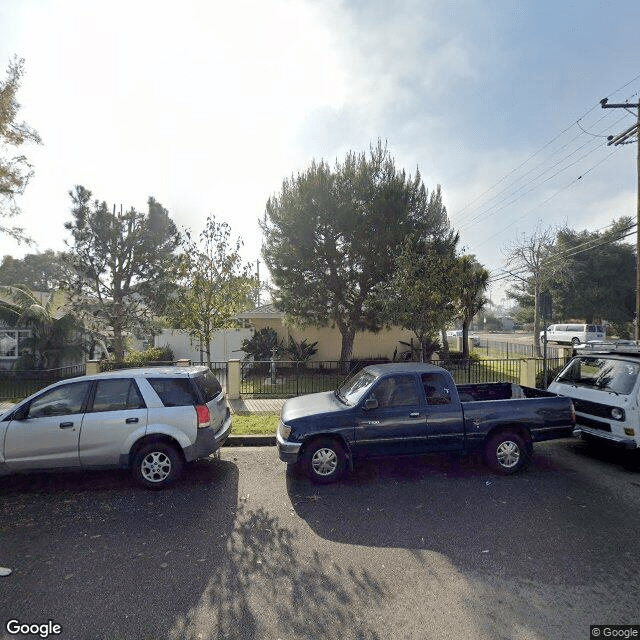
{"x":396,"y":391}
{"x":354,"y":389}
{"x":436,"y":388}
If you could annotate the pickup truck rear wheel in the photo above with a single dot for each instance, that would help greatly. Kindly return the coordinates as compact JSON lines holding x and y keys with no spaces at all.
{"x":157,"y":465}
{"x":324,"y":460}
{"x":506,"y":452}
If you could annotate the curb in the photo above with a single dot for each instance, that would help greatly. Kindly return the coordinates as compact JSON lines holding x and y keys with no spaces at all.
{"x":250,"y":441}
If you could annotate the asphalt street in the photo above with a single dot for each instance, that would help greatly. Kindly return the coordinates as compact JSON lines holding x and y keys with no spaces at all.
{"x":241,"y":547}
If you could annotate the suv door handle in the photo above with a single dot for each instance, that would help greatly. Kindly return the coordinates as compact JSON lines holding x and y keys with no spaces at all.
{"x":66,"y":425}
{"x":131,"y":420}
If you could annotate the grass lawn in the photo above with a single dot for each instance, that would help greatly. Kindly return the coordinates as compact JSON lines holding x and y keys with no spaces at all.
{"x":254,"y":424}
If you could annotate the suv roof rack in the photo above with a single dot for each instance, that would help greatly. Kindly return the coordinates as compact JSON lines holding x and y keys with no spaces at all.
{"x":612,"y":346}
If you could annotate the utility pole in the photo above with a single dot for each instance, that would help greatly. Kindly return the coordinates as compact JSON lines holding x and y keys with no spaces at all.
{"x":258,"y":278}
{"x":623,"y":138}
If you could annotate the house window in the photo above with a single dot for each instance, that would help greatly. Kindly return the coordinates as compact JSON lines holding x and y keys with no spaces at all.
{"x":11,"y":341}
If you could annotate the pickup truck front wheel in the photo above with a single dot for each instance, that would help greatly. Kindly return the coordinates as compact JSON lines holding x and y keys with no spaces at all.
{"x":324,"y":460}
{"x":506,"y":452}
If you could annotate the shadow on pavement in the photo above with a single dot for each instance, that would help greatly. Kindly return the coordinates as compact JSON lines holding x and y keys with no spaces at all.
{"x":106,"y":559}
{"x":536,"y":525}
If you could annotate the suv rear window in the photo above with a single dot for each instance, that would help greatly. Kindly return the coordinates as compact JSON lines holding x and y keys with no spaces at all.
{"x":175,"y":392}
{"x":208,"y":385}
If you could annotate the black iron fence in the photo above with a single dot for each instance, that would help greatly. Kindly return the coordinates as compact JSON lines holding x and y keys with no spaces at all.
{"x":15,"y":385}
{"x":507,"y":350}
{"x":283,"y":379}
{"x":498,"y":370}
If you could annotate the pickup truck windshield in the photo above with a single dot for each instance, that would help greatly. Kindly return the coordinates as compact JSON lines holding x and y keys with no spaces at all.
{"x":354,"y":389}
{"x":617,"y":376}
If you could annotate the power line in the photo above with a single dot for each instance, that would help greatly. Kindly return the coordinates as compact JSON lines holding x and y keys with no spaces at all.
{"x":592,"y":243}
{"x":556,"y":193}
{"x":545,"y":146}
{"x":510,"y":193}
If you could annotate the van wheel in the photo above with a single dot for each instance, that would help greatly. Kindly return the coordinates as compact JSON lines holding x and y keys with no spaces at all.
{"x":506,"y":452}
{"x":157,"y":465}
{"x":324,"y":460}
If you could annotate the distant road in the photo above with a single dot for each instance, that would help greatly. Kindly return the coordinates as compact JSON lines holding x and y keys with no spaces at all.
{"x":516,"y":338}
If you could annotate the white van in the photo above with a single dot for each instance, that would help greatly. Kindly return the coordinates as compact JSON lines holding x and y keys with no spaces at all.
{"x":573,"y":333}
{"x":604,"y":383}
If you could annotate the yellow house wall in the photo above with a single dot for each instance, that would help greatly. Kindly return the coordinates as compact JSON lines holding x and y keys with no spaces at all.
{"x":365,"y":345}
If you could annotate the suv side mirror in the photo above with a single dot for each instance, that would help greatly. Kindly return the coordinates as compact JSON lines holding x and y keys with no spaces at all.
{"x":370,"y":403}
{"x":21,"y":412}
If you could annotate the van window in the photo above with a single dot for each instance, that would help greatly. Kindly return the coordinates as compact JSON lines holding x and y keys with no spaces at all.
{"x":601,"y":373}
{"x":575,"y":327}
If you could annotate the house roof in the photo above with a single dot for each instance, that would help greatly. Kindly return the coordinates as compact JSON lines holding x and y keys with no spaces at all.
{"x":264,"y":311}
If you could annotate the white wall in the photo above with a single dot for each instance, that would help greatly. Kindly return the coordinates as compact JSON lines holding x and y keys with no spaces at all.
{"x":224,"y":346}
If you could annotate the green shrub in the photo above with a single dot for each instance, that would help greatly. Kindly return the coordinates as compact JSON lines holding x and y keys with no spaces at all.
{"x":150,"y":356}
{"x":552,"y":372}
{"x":261,"y":345}
{"x":301,"y":351}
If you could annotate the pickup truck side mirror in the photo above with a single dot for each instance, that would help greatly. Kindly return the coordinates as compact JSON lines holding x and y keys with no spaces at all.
{"x":370,"y":403}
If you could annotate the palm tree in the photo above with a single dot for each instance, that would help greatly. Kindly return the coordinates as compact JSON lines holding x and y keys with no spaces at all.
{"x":55,"y":333}
{"x":474,"y":279}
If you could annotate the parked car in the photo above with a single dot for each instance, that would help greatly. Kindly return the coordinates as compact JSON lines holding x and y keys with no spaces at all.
{"x":396,"y":409}
{"x":603,"y":381}
{"x":573,"y":333}
{"x":457,"y":333}
{"x":150,"y":420}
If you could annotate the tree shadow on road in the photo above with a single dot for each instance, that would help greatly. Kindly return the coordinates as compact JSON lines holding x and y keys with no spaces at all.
{"x":107,"y":559}
{"x":264,"y":584}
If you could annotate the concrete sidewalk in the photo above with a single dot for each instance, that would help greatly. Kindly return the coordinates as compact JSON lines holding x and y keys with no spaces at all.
{"x":245,"y":406}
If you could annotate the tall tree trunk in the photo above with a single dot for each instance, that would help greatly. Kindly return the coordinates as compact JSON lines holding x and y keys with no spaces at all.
{"x":465,"y":338}
{"x":445,"y":344}
{"x":118,"y":341}
{"x":536,"y":319}
{"x":346,"y":352}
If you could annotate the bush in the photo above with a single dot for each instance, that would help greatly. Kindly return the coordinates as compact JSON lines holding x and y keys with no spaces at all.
{"x":150,"y":356}
{"x":301,"y":351}
{"x":552,"y":372}
{"x":261,"y":345}
{"x":456,"y":356}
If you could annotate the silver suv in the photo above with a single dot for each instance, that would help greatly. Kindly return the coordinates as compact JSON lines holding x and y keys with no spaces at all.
{"x":150,"y":420}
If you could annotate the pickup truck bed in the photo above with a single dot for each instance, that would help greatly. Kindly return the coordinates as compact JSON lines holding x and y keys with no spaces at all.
{"x":405,"y":408}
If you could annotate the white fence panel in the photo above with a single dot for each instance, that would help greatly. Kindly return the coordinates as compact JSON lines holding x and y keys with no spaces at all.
{"x":225,"y":345}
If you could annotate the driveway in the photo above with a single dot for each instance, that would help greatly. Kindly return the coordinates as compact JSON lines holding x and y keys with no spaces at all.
{"x":429,"y":547}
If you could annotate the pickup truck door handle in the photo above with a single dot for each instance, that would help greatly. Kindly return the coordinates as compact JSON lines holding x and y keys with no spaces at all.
{"x":66,"y":425}
{"x":131,"y":420}
{"x":415,"y":414}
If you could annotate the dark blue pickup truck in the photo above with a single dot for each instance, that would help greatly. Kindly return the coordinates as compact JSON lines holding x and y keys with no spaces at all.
{"x":400,"y":409}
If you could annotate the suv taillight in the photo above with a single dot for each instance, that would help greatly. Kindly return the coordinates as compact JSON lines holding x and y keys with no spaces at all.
{"x":204,"y":418}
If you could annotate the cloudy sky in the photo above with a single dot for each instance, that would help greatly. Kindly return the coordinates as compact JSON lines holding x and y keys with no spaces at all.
{"x":208,"y":105}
